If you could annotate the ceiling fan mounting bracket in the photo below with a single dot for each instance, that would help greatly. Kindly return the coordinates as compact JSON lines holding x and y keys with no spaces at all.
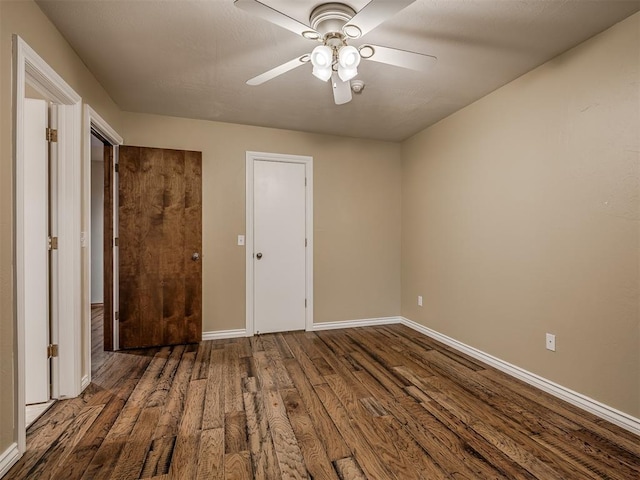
{"x":329,"y":18}
{"x":334,"y":40}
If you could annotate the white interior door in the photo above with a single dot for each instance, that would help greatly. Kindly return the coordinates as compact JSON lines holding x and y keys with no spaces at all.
{"x":279,"y":260}
{"x":36,"y":271}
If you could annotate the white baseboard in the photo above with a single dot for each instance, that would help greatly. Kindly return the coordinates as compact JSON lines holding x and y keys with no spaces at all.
{"x":8,"y":458}
{"x":84,"y":383}
{"x":222,"y":334}
{"x":365,"y":322}
{"x":582,"y":401}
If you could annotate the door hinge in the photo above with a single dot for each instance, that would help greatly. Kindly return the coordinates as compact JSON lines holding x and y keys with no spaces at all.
{"x":52,"y":351}
{"x":116,"y":166}
{"x":115,"y":241}
{"x":52,"y":243}
{"x":305,"y":242}
{"x":305,"y":303}
{"x":305,"y":181}
{"x":117,"y":316}
{"x":51,"y":135}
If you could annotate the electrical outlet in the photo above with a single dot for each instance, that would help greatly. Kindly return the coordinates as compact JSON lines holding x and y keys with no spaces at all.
{"x":551,"y":342}
{"x":419,"y":300}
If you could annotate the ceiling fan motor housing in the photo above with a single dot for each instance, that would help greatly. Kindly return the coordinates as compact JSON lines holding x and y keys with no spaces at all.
{"x":329,"y":18}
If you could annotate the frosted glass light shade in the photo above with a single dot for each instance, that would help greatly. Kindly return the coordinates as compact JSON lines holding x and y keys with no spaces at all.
{"x":322,"y":59}
{"x":348,"y":61}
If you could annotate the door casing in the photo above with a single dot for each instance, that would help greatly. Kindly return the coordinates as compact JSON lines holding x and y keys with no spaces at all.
{"x":251,"y":158}
{"x":93,"y":122}
{"x":29,"y":68}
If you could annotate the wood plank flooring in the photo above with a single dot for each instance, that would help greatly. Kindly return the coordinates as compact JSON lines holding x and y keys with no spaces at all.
{"x":98,"y":355}
{"x":376,"y":402}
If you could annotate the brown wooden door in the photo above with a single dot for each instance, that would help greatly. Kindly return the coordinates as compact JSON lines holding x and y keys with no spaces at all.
{"x":160,"y":234}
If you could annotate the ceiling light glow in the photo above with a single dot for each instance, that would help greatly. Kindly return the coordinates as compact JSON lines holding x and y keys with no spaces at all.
{"x":322,"y":59}
{"x":348,"y":61}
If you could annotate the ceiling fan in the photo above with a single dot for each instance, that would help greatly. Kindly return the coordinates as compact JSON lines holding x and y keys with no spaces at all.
{"x":333,"y":25}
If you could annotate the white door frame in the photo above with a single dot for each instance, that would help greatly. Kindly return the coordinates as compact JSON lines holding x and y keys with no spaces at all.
{"x":252,"y":157}
{"x":92,"y":122}
{"x":30,"y":68}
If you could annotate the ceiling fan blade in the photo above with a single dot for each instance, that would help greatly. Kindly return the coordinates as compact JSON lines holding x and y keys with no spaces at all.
{"x":341,"y":90}
{"x":373,"y":14}
{"x":279,"y":70}
{"x":397,"y":57}
{"x":278,"y":18}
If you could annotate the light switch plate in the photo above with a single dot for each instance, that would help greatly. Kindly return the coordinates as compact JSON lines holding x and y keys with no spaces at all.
{"x":240,"y":240}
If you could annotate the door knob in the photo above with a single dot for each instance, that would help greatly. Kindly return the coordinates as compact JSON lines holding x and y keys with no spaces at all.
{"x":195,"y":257}
{"x":258,"y":256}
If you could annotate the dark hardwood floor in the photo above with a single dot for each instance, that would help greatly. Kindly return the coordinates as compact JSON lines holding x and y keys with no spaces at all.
{"x":98,"y":355}
{"x":377,"y":403}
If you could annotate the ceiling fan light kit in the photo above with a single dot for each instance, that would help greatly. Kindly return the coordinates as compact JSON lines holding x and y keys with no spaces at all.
{"x":322,"y":61}
{"x":333,"y":24}
{"x":348,"y":61}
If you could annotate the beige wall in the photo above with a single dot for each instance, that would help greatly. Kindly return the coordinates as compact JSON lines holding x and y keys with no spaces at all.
{"x":520,"y":216}
{"x":356,"y":220}
{"x":357,"y":200}
{"x":25,"y":18}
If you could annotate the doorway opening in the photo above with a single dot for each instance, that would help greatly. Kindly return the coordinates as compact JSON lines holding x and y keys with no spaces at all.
{"x":101,"y":144}
{"x":98,"y":355}
{"x":29,"y":70}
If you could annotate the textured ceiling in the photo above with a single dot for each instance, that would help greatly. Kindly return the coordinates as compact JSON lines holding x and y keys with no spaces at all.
{"x":192,"y":58}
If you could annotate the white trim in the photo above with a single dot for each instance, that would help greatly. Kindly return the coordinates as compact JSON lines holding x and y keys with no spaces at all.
{"x":364,"y":322}
{"x":222,"y":334}
{"x":248,"y":245}
{"x":39,"y":75}
{"x":251,"y":157}
{"x":19,"y":73}
{"x":579,"y":400}
{"x":86,"y":380}
{"x":8,"y":458}
{"x":29,"y":68}
{"x":69,"y":250}
{"x":92,"y":120}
